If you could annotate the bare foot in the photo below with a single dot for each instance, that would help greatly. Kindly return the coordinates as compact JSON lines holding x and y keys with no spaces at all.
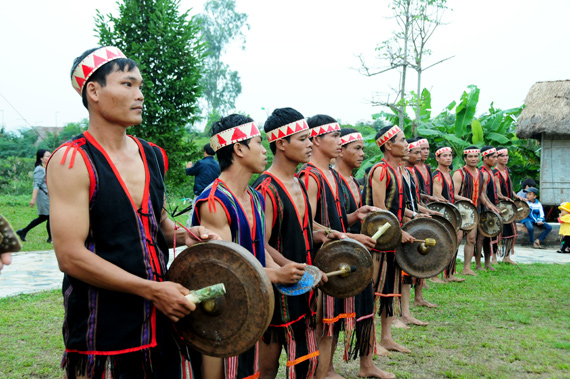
{"x":509,"y":260}
{"x":424,"y":303}
{"x":413,"y":321}
{"x":490,"y":268}
{"x":393,"y":346}
{"x":398,"y":324}
{"x":436,"y":279}
{"x":494,"y":259}
{"x":425,"y":285}
{"x":380,"y":351}
{"x":480,"y":268}
{"x":332,"y":374}
{"x":469,"y":272}
{"x":374,"y":372}
{"x":454,"y":278}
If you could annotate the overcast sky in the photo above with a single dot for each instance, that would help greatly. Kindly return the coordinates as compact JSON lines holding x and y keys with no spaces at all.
{"x":299,"y":53}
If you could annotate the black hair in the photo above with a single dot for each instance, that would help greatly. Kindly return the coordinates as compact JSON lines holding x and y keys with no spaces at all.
{"x":344,"y":132}
{"x":320,"y":119}
{"x":485,"y":148}
{"x":280,"y":117}
{"x":225,"y":154}
{"x":39,"y":155}
{"x":410,"y":140}
{"x":528,"y":182}
{"x":469,"y":148}
{"x":208,"y":149}
{"x":100,"y":75}
{"x":381,"y":132}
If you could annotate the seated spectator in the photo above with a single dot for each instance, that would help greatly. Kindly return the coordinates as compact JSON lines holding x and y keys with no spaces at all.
{"x":205,"y":170}
{"x":526,"y":184}
{"x":535,"y":218}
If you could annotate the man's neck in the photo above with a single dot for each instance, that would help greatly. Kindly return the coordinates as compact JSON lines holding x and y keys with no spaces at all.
{"x":282,"y":167}
{"x":320,"y":160}
{"x":444,"y":169}
{"x":409,"y":164}
{"x":343,"y":169}
{"x":392,"y":160}
{"x":236,"y":179}
{"x":471,"y":168}
{"x":501,"y":167}
{"x":112,"y":137}
{"x":489,"y":168}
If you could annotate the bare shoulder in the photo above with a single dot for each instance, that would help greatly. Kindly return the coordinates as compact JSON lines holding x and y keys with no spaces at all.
{"x":67,"y":168}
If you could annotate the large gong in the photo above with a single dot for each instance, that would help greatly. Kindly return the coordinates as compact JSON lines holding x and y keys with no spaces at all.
{"x":447,"y":210}
{"x":418,"y":258}
{"x":469,"y":215}
{"x":508,"y":211}
{"x":523,"y":210}
{"x":379,"y":221}
{"x":231,"y":324}
{"x":339,"y":254}
{"x":490,"y":224}
{"x":9,"y":241}
{"x":450,"y":229}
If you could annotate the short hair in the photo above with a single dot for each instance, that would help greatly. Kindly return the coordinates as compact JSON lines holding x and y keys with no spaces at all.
{"x":208,"y":149}
{"x":225,"y":154}
{"x":39,"y":155}
{"x":469,"y":148}
{"x":528,"y":182}
{"x":411,"y":140}
{"x":485,"y":148}
{"x":381,"y":132}
{"x":346,"y":131}
{"x":318,"y":120}
{"x":100,"y":75}
{"x":279,"y":118}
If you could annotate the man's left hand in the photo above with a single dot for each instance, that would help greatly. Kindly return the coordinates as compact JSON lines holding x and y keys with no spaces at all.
{"x":200,"y":234}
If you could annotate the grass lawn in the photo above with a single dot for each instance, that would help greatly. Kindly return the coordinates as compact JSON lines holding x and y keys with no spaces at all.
{"x":513,"y":323}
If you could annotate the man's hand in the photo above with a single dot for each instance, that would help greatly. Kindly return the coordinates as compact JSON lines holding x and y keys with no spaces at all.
{"x":495,"y":209}
{"x":168,"y":297}
{"x":5,"y":259}
{"x":407,"y":237}
{"x":324,"y":279}
{"x":334,"y":235}
{"x":291,"y":273}
{"x":363,"y":211}
{"x":367,"y":241}
{"x":202,"y":233}
{"x":189,"y":165}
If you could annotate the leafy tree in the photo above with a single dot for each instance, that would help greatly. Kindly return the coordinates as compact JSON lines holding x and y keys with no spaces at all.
{"x":166,"y":45}
{"x":220,"y":25}
{"x":53,"y":140}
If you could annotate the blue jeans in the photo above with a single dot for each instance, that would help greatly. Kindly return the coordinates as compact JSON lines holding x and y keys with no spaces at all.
{"x":530,"y":228}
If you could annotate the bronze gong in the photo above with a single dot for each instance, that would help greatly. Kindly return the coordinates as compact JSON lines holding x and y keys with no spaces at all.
{"x":508,"y":211}
{"x":490,"y":224}
{"x":446,"y":209}
{"x":457,"y":216}
{"x":523,"y":210}
{"x":231,"y":324}
{"x":418,"y":258}
{"x":450,"y":229}
{"x":469,"y":215}
{"x":378,"y":221}
{"x":9,"y":241}
{"x":339,"y":254}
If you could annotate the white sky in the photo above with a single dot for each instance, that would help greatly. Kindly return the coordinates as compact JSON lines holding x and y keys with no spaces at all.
{"x":299,"y":53}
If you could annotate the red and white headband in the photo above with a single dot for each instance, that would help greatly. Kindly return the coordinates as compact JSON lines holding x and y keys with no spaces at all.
{"x":287,"y":130}
{"x":471,"y":151}
{"x":92,"y":63}
{"x":489,"y":152}
{"x":233,"y":135}
{"x":388,"y":135}
{"x":422,"y":141}
{"x":413,"y":145}
{"x":351,"y":138}
{"x":323,"y":129}
{"x":442,"y":150}
{"x":503,"y":152}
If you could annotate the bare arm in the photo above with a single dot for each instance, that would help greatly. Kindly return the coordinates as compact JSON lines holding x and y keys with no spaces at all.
{"x":69,"y":218}
{"x":438,"y":189}
{"x":486,"y":202}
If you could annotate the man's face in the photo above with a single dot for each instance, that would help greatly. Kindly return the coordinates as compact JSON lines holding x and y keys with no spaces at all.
{"x":472,"y":159}
{"x":399,"y":147}
{"x":503,"y":159}
{"x":415,"y":155}
{"x":352,"y":154}
{"x":329,"y":144}
{"x":491,"y":160}
{"x":445,"y":159}
{"x":424,"y":151}
{"x":255,"y":155}
{"x":299,"y":148}
{"x":121,"y":100}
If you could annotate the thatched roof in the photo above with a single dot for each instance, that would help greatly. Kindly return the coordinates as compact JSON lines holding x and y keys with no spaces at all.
{"x":547,"y":110}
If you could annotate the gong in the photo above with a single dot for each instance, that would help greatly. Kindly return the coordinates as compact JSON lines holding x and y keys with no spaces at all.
{"x":231,"y":324}
{"x":490,"y":223}
{"x":457,"y":216}
{"x":446,"y":209}
{"x":419,"y":259}
{"x":377,"y":223}
{"x":508,"y":211}
{"x":9,"y":241}
{"x":452,"y":231}
{"x":523,"y":210}
{"x":338,"y":255}
{"x":469,"y":215}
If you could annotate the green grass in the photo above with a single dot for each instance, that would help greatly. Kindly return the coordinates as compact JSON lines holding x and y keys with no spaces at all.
{"x":513,"y":323}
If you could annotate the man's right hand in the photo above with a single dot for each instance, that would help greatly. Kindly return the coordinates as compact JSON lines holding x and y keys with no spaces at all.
{"x":291,"y":273}
{"x":169,"y":298}
{"x":189,"y":165}
{"x":407,"y":237}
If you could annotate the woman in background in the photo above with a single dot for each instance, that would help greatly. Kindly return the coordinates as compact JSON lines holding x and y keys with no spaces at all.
{"x":39,"y":195}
